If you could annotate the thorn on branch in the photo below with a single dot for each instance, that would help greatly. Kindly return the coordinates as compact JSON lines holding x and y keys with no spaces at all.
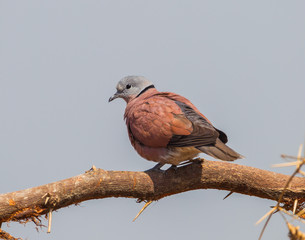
{"x":295,"y":204}
{"x":228,"y":195}
{"x":47,"y":196}
{"x":49,"y":221}
{"x":143,"y":208}
{"x":92,"y":169}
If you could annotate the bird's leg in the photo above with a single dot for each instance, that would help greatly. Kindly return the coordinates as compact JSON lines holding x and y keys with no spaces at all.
{"x":157,"y":167}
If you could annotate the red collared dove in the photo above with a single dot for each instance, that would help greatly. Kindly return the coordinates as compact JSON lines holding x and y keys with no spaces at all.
{"x":167,"y":128}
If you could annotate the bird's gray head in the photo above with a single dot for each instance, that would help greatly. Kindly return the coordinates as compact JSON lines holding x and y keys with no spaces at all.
{"x":130,"y":87}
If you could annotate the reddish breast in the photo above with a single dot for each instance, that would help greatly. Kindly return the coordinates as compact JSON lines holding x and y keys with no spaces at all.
{"x":152,"y":119}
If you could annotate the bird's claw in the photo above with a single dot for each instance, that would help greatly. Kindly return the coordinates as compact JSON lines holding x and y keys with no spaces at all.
{"x":191,"y":161}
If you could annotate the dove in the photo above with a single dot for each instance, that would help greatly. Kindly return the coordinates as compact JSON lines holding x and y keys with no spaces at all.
{"x":167,"y":128}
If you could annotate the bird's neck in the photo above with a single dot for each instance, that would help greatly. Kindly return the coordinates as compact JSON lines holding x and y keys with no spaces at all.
{"x":146,"y":89}
{"x":147,"y":92}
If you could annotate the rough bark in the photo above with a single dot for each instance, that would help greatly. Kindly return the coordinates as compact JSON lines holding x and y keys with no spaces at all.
{"x":31,"y":203}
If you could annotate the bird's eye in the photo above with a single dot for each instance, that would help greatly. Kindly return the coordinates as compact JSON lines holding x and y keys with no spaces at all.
{"x":128,"y":86}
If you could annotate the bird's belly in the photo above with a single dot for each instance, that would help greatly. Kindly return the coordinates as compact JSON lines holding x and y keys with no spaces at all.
{"x":173,"y":155}
{"x":180,"y":154}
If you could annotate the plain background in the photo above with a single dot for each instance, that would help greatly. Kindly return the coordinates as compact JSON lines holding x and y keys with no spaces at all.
{"x":242,"y":63}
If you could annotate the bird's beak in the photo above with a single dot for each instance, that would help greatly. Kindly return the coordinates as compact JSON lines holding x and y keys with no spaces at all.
{"x":114,"y":96}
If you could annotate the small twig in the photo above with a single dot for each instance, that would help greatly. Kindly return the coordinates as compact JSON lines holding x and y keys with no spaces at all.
{"x":278,"y":202}
{"x":294,"y":173}
{"x":292,"y":157}
{"x":300,"y":213}
{"x":291,"y":215}
{"x":143,"y":208}
{"x":266,"y":215}
{"x":49,"y":221}
{"x":299,"y":165}
{"x":287,"y":164}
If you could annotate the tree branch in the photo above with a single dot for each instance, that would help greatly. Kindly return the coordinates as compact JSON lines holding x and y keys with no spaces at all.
{"x":29,"y":204}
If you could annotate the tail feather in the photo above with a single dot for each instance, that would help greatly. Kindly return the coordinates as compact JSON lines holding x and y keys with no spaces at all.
{"x":221,"y":151}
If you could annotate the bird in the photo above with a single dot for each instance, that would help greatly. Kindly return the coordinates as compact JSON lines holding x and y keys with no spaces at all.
{"x":167,"y":128}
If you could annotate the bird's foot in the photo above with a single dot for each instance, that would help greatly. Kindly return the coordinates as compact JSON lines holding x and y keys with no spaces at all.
{"x":191,"y":161}
{"x":156,"y":168}
{"x":172,"y":168}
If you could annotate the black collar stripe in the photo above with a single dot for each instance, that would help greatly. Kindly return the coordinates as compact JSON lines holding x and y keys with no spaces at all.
{"x":145,"y":89}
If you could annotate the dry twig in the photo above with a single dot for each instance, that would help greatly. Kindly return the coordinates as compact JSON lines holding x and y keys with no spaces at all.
{"x":299,"y":163}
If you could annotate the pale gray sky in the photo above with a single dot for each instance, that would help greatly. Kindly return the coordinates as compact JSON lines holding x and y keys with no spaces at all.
{"x":242,"y":63}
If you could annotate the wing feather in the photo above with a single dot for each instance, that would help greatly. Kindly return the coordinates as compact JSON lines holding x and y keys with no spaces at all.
{"x":203,"y":134}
